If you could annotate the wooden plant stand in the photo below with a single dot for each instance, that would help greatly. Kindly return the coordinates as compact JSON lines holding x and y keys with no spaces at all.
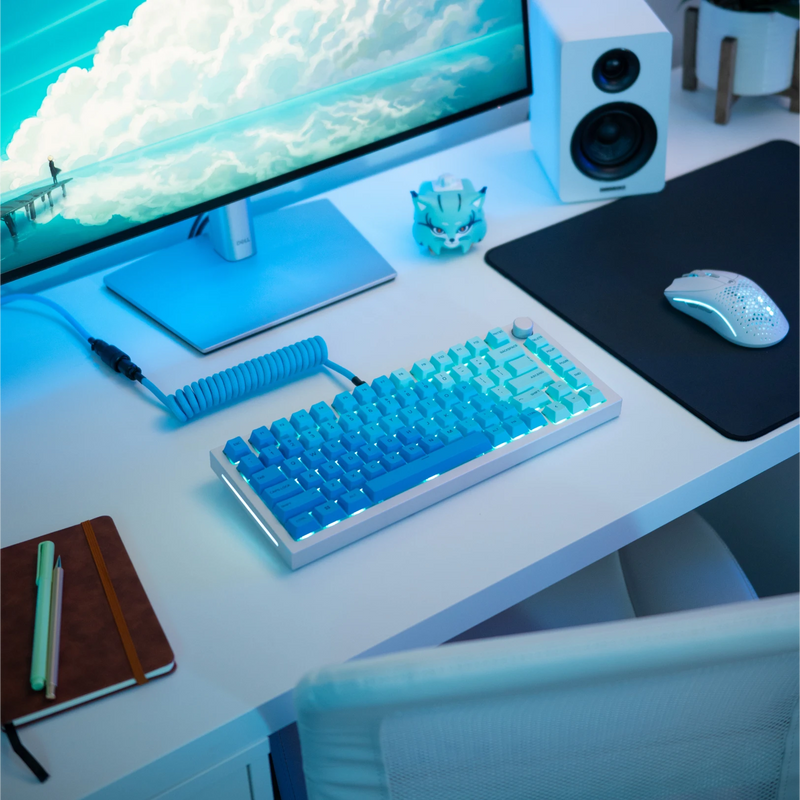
{"x":727,"y":67}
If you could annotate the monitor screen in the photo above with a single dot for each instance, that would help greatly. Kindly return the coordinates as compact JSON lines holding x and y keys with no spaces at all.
{"x":120,"y":116}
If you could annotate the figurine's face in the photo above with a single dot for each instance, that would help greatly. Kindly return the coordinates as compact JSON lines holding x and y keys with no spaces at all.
{"x":449,"y":220}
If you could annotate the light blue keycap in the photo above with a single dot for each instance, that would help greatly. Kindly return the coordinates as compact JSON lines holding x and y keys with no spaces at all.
{"x":499,"y":376}
{"x":322,"y":412}
{"x":349,"y":422}
{"x":533,"y":419}
{"x":574,"y":403}
{"x":530,"y":380}
{"x":499,"y":394}
{"x":311,"y":439}
{"x":497,"y":337}
{"x":476,"y":346}
{"x":446,"y":400}
{"x":408,"y":416}
{"x":502,"y":355}
{"x":555,"y":412}
{"x":533,"y":398}
{"x":383,"y":387}
{"x":577,"y":379}
{"x":478,"y":366}
{"x":391,"y":424}
{"x":592,"y":395}
{"x":465,"y":392}
{"x":515,"y":427}
{"x":463,"y":410}
{"x":549,"y":354}
{"x":372,"y":432}
{"x":344,"y":402}
{"x":558,"y":390}
{"x":461,"y":374}
{"x":442,"y":361}
{"x":533,"y":343}
{"x":468,"y":426}
{"x":561,"y":365}
{"x":422,"y":370}
{"x":364,"y":394}
{"x":519,"y":366}
{"x":482,"y":383}
{"x":497,"y":435}
{"x":387,"y":405}
{"x":459,"y":354}
{"x":402,"y":379}
{"x":443,"y":382}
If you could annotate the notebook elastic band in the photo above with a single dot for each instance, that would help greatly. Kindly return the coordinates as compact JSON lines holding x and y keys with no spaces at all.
{"x":113,"y":602}
{"x":16,"y":745}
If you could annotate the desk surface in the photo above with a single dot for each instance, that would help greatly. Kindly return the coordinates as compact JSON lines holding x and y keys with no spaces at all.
{"x":78,"y":443}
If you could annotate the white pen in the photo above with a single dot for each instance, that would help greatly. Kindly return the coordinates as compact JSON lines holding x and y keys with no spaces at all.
{"x":54,"y":637}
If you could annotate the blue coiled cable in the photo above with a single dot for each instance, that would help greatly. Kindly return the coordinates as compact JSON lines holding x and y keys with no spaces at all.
{"x":221,"y":387}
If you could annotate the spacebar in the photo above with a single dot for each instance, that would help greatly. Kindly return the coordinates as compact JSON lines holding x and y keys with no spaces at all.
{"x":445,"y":458}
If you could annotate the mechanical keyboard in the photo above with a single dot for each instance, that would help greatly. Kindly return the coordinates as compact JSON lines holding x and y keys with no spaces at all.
{"x":319,"y":479}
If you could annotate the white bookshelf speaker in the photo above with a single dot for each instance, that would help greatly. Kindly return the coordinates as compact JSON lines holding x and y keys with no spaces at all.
{"x":601,"y":81}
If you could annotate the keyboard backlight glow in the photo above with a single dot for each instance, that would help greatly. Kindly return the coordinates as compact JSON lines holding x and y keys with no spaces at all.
{"x":306,"y":536}
{"x":432,"y":477}
{"x":360,"y":510}
{"x":250,"y":511}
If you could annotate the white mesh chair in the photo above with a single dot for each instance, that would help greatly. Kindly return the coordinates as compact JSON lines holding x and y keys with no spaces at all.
{"x":695,"y":705}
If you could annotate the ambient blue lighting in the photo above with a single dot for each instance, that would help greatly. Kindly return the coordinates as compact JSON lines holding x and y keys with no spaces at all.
{"x":704,"y":305}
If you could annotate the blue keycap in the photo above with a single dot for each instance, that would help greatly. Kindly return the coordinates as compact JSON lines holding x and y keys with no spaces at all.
{"x":441,"y":460}
{"x":383,"y":387}
{"x":463,"y":410}
{"x":282,"y":428}
{"x":497,"y":435}
{"x":368,"y":414}
{"x":467,"y":426}
{"x":409,"y":416}
{"x":344,"y":402}
{"x":497,"y":337}
{"x":349,"y":422}
{"x":486,"y":419}
{"x":577,"y":379}
{"x":500,"y":394}
{"x":464,"y":392}
{"x":392,"y":461}
{"x":332,"y":450}
{"x":354,"y":501}
{"x":261,"y":438}
{"x":235,"y":449}
{"x":291,"y":448}
{"x":280,"y":491}
{"x":430,"y":443}
{"x":445,"y":419}
{"x":311,"y":440}
{"x":330,"y":470}
{"x":402,"y":379}
{"x":265,"y":478}
{"x":406,"y":397}
{"x":364,"y":394}
{"x":424,"y":390}
{"x":298,"y":504}
{"x":410,"y":452}
{"x":449,"y":435}
{"x":249,"y":464}
{"x":352,"y":441}
{"x":372,"y":470}
{"x":302,"y":421}
{"x":408,"y":436}
{"x":309,"y":480}
{"x":313,"y":459}
{"x":369,"y":452}
{"x":332,"y":489}
{"x":515,"y":427}
{"x":481,"y":403}
{"x":292,"y":467}
{"x":388,"y":444}
{"x":301,"y":525}
{"x":270,"y":455}
{"x":504,"y":411}
{"x":533,"y":419}
{"x":427,"y":408}
{"x":353,"y":480}
{"x":350,"y":461}
{"x":330,"y":431}
{"x":328,"y":513}
{"x":446,"y":400}
{"x":390,"y":425}
{"x":322,"y":412}
{"x":426,"y":427}
{"x":387,"y":406}
{"x":372,"y":432}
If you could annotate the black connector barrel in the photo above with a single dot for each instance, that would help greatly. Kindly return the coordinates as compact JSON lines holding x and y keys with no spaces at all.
{"x":116,"y":359}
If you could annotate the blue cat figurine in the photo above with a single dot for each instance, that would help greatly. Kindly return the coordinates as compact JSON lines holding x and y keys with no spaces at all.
{"x":448,"y":213}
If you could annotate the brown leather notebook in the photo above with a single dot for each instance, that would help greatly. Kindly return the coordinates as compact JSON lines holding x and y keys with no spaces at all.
{"x":96,"y":656}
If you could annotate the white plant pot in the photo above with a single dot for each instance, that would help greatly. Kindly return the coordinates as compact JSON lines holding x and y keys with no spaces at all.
{"x":764,"y":50}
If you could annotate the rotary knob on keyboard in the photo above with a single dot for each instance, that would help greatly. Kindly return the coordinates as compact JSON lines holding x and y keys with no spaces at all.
{"x":523,"y":328}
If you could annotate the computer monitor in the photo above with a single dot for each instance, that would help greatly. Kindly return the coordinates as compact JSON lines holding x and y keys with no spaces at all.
{"x":123,"y":117}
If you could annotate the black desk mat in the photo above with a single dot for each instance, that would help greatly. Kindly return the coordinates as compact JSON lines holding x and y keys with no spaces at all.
{"x":605,"y":272}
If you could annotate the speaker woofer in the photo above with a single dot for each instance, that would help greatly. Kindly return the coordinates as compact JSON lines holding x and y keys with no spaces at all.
{"x":615,"y":70}
{"x":614,"y":141}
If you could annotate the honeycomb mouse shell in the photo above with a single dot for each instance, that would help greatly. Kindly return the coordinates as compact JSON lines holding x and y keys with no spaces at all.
{"x":734,"y":306}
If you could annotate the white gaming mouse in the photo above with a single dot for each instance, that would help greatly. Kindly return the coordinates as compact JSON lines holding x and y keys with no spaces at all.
{"x":735,"y":307}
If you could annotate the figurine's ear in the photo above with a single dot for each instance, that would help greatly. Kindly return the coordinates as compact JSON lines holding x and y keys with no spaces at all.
{"x":418,"y":201}
{"x":478,"y":201}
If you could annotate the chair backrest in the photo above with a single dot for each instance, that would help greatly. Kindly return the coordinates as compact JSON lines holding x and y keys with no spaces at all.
{"x":694,"y":705}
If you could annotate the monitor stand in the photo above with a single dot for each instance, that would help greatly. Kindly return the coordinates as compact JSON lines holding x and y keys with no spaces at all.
{"x":297,"y":259}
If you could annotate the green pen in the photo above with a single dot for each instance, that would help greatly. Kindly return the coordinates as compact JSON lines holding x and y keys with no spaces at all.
{"x":41,"y":629}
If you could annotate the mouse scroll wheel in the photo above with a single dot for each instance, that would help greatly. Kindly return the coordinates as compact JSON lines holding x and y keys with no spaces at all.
{"x":690,"y":275}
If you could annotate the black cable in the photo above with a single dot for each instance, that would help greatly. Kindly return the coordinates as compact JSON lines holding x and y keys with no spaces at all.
{"x":202,"y":226}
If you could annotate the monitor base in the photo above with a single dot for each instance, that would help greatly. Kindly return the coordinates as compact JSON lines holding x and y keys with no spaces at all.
{"x":308,"y":256}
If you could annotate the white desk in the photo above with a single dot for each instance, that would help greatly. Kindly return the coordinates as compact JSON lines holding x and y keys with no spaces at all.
{"x":78,"y":443}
